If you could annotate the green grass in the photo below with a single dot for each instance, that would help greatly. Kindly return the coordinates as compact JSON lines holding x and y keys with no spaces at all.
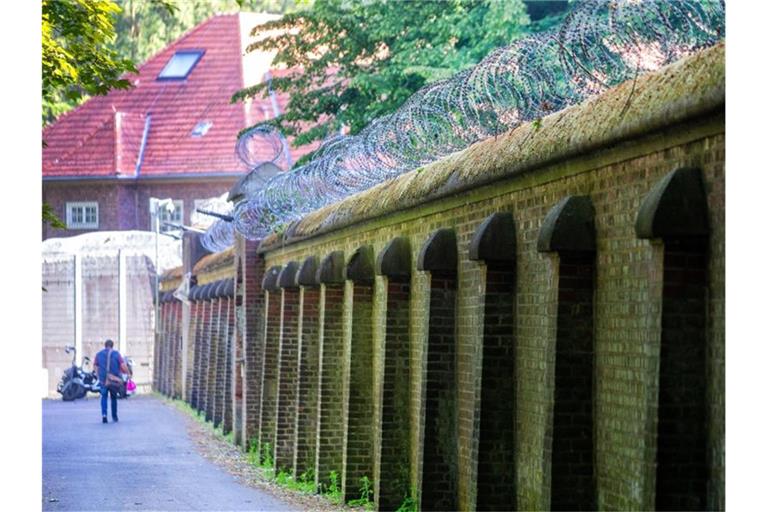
{"x":260,"y":456}
{"x":304,"y":484}
{"x":184,"y":407}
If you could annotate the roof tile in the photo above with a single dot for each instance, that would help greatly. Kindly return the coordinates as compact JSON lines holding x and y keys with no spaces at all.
{"x":102,"y":137}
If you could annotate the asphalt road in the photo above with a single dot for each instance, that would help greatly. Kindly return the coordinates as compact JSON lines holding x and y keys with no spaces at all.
{"x":146,"y":461}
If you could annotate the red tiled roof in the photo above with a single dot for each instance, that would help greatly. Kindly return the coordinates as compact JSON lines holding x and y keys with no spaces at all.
{"x":103,"y":136}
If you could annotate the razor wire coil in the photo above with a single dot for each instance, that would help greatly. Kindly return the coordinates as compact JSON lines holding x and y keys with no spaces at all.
{"x":600,"y":44}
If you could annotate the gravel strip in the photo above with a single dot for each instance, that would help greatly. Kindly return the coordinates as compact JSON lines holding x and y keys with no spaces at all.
{"x":229,"y":457}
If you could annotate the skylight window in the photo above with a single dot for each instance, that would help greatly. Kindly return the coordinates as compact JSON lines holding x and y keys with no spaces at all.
{"x":201,"y":128}
{"x":180,"y":65}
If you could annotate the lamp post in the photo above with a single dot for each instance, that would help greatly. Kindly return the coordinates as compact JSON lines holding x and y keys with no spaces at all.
{"x":155,"y":205}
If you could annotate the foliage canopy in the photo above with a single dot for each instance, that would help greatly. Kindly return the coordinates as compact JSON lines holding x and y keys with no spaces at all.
{"x":144,"y":27}
{"x":77,"y":58}
{"x":350,"y":62}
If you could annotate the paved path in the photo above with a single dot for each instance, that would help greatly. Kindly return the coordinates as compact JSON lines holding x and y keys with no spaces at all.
{"x":147,"y":456}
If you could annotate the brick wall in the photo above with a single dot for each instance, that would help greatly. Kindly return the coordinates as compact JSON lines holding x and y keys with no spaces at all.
{"x":496,"y":451}
{"x":572,"y":454}
{"x":525,"y":341}
{"x":221,"y":362}
{"x":207,"y":320}
{"x":228,"y":382}
{"x":176,"y":351}
{"x":196,"y":397}
{"x":681,"y":471}
{"x":193,"y":352}
{"x":627,"y":324}
{"x":309,"y":380}
{"x":439,"y":466}
{"x":359,"y":440}
{"x":253,"y":303}
{"x":285,"y":438}
{"x":269,"y":373}
{"x":330,"y":436}
{"x":210,"y":364}
{"x":395,"y":422}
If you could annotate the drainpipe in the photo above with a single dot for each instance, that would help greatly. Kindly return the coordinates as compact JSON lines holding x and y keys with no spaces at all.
{"x":144,"y":136}
{"x":118,"y":142}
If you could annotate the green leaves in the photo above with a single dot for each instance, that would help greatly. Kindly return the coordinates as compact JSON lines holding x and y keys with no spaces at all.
{"x":49,"y":217}
{"x":360,"y":60}
{"x":76,"y":58}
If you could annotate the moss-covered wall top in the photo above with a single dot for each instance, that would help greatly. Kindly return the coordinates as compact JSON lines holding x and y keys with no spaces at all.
{"x":682,"y":91}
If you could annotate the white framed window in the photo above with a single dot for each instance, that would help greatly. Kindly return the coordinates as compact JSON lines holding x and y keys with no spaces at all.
{"x":176,"y":216}
{"x":83,"y":215}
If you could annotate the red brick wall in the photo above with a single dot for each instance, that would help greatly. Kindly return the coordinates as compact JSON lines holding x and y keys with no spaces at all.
{"x":439,"y":467}
{"x":176,"y":350}
{"x":330,"y":419}
{"x":573,"y":479}
{"x":496,"y":457}
{"x":194,"y":325}
{"x":269,"y":372}
{"x":252,"y":338}
{"x":125,"y":206}
{"x":205,"y":354}
{"x":360,"y":415}
{"x":215,"y":365}
{"x":395,"y":420}
{"x":289,"y":377}
{"x":210,"y":368}
{"x":309,"y":381}
{"x":681,"y":474}
{"x":228,"y":356}
{"x":199,"y":311}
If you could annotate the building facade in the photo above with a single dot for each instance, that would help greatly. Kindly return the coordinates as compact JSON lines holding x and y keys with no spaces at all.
{"x":172,"y":135}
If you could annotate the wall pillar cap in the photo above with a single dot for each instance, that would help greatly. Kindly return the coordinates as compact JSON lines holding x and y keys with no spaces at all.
{"x":287,"y":277}
{"x":494,"y":240}
{"x":439,"y":252}
{"x":675,"y":207}
{"x":569,"y":226}
{"x":307,"y":274}
{"x":359,"y":268}
{"x":331,"y":270}
{"x":394,"y":261}
{"x":269,"y":282}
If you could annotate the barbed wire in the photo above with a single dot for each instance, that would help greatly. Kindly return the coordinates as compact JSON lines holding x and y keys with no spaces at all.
{"x":600,"y":44}
{"x":219,"y":236}
{"x":262,"y":143}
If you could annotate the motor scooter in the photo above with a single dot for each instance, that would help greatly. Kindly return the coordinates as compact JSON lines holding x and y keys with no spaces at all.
{"x":76,"y":382}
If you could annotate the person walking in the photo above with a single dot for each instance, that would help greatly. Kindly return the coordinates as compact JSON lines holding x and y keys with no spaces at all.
{"x":109,"y":364}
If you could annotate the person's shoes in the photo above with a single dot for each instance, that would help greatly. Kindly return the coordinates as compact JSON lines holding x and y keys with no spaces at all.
{"x":104,"y":419}
{"x":114,"y":419}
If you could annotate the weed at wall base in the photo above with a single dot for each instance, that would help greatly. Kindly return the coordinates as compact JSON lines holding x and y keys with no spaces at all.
{"x":410,"y":502}
{"x":366,"y":493}
{"x":332,"y":491}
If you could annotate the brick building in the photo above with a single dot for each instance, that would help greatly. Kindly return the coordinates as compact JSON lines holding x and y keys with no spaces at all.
{"x":172,"y":134}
